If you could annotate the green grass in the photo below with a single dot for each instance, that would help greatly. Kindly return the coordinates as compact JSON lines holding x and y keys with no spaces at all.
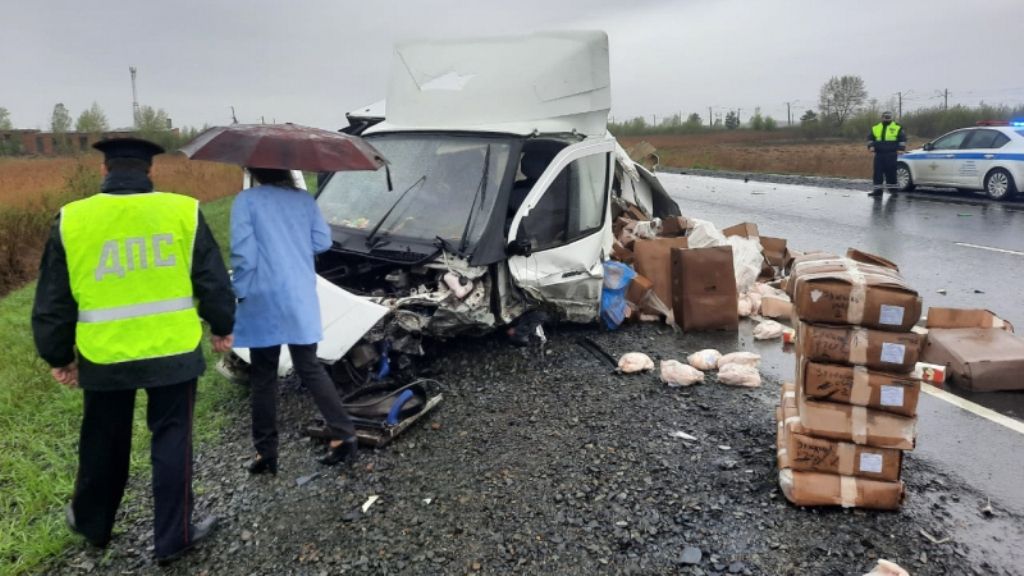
{"x":39,"y":422}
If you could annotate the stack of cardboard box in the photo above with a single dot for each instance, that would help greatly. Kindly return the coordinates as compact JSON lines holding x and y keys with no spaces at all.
{"x":844,"y":425}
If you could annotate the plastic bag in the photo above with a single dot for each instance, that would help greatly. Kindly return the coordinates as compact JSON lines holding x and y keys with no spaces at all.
{"x":676,"y":374}
{"x":741,"y":358}
{"x":614,"y":306}
{"x":633,"y":362}
{"x":768,"y":330}
{"x":747,"y":257}
{"x":886,"y":568}
{"x":739,"y":375}
{"x":704,"y":235}
{"x":705,"y":359}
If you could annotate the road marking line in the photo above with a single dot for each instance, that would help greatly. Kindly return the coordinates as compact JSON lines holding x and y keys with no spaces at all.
{"x":989,"y":248}
{"x":976,"y":409}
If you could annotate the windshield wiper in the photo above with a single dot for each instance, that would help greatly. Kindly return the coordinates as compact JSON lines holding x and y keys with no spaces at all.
{"x":480,"y":193}
{"x":373,"y":232}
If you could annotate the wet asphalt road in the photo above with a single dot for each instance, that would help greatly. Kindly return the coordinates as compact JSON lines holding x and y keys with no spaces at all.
{"x":924,"y":233}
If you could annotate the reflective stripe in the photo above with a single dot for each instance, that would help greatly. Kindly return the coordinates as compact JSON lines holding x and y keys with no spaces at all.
{"x":135,"y":310}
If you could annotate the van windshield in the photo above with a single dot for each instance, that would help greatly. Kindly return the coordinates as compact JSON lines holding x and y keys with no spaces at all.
{"x":444,"y":177}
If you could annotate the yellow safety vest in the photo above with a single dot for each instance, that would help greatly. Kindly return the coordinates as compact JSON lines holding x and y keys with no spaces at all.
{"x":129,"y":263}
{"x":892,"y":133}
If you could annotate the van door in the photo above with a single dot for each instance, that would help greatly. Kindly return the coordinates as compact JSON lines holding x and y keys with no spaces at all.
{"x":560,"y":235}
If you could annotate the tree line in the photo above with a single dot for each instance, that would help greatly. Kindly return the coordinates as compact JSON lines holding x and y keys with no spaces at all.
{"x":844,"y":111}
{"x":150,"y":123}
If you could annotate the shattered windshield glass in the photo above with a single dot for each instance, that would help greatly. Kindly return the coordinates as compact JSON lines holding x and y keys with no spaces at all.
{"x":443,"y":185}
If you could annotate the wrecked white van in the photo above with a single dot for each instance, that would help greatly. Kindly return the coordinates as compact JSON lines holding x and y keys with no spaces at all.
{"x":504,"y":178}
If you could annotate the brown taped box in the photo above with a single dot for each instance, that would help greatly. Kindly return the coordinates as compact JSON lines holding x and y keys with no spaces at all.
{"x":896,"y":352}
{"x":855,"y":424}
{"x":704,"y":293}
{"x":827,"y":291}
{"x":809,"y":454}
{"x":653,"y":260}
{"x":675,"y":226}
{"x":979,"y":349}
{"x":869,"y":258}
{"x":897,"y":393}
{"x":621,"y":253}
{"x":744,"y":229}
{"x":817,"y":489}
{"x":775,"y":251}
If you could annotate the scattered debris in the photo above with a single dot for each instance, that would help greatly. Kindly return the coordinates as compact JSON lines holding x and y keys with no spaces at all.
{"x":303,"y":480}
{"x":724,"y":447}
{"x":369,"y":502}
{"x":691,"y":555}
{"x":596,"y":351}
{"x":987,"y":510}
{"x":941,"y":291}
{"x":934,"y":539}
{"x":682,"y":436}
{"x":633,"y":362}
{"x":676,"y":374}
{"x":704,"y":360}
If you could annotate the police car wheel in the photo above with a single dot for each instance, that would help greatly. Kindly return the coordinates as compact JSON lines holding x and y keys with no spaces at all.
{"x":999,"y":184}
{"x":903,"y":179}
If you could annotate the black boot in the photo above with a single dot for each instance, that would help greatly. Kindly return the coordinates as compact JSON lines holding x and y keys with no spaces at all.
{"x":344,"y":453}
{"x":69,"y":518}
{"x":875,"y":193}
{"x":261,"y":465}
{"x":199,"y":533}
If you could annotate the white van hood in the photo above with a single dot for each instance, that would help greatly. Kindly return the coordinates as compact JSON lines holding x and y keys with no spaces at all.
{"x":548,"y":82}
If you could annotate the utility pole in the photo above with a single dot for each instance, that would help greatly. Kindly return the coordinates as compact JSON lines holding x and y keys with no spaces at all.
{"x":711,"y":120}
{"x":789,"y":114}
{"x":654,"y":119}
{"x":135,"y":98}
{"x":899,"y":106}
{"x":945,"y":99}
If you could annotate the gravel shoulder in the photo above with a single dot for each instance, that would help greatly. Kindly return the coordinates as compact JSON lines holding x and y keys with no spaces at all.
{"x":548,"y":463}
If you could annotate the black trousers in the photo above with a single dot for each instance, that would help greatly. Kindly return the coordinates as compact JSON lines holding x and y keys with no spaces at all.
{"x":885,"y":166}
{"x":104,"y":449}
{"x":263,"y":395}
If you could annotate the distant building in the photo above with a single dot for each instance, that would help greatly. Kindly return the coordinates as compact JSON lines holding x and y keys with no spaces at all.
{"x":37,"y":142}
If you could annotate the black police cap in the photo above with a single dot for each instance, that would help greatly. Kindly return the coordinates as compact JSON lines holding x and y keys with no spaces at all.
{"x":129,"y":148}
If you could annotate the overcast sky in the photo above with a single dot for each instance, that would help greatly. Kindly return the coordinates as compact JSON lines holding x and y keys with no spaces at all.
{"x":310,"y":61}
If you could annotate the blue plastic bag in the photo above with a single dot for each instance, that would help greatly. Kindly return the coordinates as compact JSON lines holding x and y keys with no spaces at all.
{"x":617,"y":277}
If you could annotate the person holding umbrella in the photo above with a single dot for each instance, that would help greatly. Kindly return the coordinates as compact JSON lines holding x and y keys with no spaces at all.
{"x":276,"y":231}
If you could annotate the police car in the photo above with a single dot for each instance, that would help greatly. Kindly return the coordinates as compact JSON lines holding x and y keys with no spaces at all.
{"x":988,"y":157}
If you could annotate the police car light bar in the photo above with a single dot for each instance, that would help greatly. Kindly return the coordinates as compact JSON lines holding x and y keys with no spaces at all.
{"x":993,"y":123}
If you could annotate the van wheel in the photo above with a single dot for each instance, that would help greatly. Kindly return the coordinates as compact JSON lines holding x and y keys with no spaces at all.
{"x":999,"y":185}
{"x":904,"y":181}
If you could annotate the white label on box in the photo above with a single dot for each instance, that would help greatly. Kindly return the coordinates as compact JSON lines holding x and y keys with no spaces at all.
{"x":816,"y":295}
{"x":893,"y":353}
{"x":891,"y":315}
{"x":892,"y":396}
{"x":871,"y":462}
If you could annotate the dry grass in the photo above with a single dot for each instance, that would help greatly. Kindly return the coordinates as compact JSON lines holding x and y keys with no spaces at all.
{"x":25,"y":181}
{"x":32,"y":190}
{"x":747,"y":151}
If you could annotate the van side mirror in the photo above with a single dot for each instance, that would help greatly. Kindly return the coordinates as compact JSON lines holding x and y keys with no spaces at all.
{"x":929,"y":146}
{"x":519,"y":247}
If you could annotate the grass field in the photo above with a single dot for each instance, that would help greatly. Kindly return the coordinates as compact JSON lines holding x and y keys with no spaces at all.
{"x":39,"y":422}
{"x":780,"y":152}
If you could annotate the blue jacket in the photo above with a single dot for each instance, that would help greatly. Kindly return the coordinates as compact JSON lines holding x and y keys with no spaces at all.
{"x":275,"y":233}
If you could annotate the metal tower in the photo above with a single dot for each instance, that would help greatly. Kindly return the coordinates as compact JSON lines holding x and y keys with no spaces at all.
{"x":135,"y":98}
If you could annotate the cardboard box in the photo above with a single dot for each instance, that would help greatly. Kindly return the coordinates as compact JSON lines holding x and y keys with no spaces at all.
{"x":704,"y":293}
{"x":986,"y":357}
{"x":775,"y":251}
{"x":653,"y":259}
{"x":855,"y":424}
{"x":621,"y":253}
{"x":817,"y":489}
{"x":895,"y":352}
{"x":868,"y":258}
{"x":675,"y":226}
{"x":897,"y":393}
{"x":776,"y":307}
{"x":809,"y":454}
{"x":744,"y":229}
{"x":843,"y":291}
{"x":799,"y":258}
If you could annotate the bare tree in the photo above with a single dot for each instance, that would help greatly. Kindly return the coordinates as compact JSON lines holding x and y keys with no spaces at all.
{"x":92,"y":121}
{"x":841,"y":97}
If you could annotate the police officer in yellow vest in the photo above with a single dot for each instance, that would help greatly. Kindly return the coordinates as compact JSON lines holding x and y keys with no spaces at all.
{"x":119,"y":283}
{"x":886,"y":140}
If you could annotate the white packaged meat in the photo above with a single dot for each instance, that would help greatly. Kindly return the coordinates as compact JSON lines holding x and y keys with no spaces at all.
{"x":676,"y":374}
{"x":768,"y":330}
{"x":744,"y":306}
{"x":633,"y":362}
{"x":742,"y":358}
{"x":739,"y":375}
{"x":705,"y":359}
{"x":886,"y":568}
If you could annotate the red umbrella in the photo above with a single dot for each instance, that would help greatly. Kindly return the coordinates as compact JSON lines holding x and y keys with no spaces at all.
{"x":284,"y":146}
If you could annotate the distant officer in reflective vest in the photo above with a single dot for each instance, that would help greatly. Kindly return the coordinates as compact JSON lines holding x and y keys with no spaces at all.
{"x":886,"y":140}
{"x":119,"y":283}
